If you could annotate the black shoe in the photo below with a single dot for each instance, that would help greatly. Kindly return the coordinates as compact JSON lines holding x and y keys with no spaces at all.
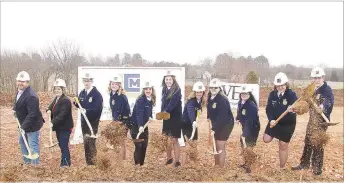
{"x":319,"y":172}
{"x":247,"y":169}
{"x":241,"y":166}
{"x":299,"y":167}
{"x":170,"y":161}
{"x":177,"y":164}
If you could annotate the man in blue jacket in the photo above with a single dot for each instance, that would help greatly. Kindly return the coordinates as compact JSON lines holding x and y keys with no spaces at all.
{"x":92,"y":104}
{"x":27,"y":111}
{"x":324,"y":99}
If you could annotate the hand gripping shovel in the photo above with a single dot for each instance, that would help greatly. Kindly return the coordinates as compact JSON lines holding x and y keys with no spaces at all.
{"x":86,"y":119}
{"x":22,"y":132}
{"x":139,"y":133}
{"x":214,"y":147}
{"x":308,"y":92}
{"x":50,"y":134}
{"x":194,"y":129}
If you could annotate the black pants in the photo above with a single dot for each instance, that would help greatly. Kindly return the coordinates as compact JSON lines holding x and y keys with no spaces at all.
{"x":317,"y":153}
{"x":63,"y":137}
{"x":89,"y":142}
{"x":140,"y":147}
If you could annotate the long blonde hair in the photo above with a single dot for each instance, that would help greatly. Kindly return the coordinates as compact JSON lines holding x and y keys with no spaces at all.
{"x":153,"y":95}
{"x":119,"y":91}
{"x":193,"y":95}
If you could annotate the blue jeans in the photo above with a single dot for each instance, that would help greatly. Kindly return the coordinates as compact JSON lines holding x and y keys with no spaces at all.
{"x":63,"y":137}
{"x":33,"y":139}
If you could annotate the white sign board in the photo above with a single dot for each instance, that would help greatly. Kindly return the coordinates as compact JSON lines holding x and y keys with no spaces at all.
{"x":232,"y":91}
{"x":132,"y":81}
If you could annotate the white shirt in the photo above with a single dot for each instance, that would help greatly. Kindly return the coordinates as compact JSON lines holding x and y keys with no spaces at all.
{"x":282,"y":94}
{"x":88,"y":91}
{"x":149,"y":98}
{"x":20,"y":92}
{"x":199,"y":100}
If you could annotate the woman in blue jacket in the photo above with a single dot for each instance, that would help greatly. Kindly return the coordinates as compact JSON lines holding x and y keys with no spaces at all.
{"x":119,"y":106}
{"x":192,"y":107}
{"x":142,"y":112}
{"x":247,"y":116}
{"x":280,"y":100}
{"x":171,"y":103}
{"x":221,"y":117}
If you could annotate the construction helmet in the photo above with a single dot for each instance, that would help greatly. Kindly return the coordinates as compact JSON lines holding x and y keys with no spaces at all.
{"x":280,"y":79}
{"x":317,"y":72}
{"x":215,"y":83}
{"x":23,"y":76}
{"x":198,"y":87}
{"x":60,"y":82}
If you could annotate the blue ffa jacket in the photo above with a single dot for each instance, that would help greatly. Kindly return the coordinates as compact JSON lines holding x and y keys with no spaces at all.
{"x":120,"y":106}
{"x":172,"y":105}
{"x":276,"y":106}
{"x":219,"y":111}
{"x":190,"y":110}
{"x":324,"y":95}
{"x":28,"y":110}
{"x":247,"y":114}
{"x":92,"y":103}
{"x":142,"y":110}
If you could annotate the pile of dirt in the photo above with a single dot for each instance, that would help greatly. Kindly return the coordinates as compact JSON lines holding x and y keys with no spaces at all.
{"x":114,"y":133}
{"x":158,"y":142}
{"x":301,"y":107}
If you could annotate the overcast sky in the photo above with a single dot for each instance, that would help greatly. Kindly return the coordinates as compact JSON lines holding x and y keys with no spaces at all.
{"x":299,"y":33}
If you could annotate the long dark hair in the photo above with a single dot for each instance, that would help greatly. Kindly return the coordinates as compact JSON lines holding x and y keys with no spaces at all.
{"x":251,"y":98}
{"x":174,"y":88}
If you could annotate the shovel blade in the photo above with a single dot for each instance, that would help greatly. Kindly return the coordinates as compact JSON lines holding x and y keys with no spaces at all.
{"x":32,"y":156}
{"x":91,"y":136}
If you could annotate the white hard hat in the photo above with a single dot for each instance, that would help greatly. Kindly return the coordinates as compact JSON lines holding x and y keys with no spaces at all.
{"x":60,"y":82}
{"x":245,"y":89}
{"x":215,"y":83}
{"x":317,"y":72}
{"x":87,"y":76}
{"x":280,"y":79}
{"x":169,"y":73}
{"x":147,"y":84}
{"x":116,"y":78}
{"x":23,"y":76}
{"x":198,"y":87}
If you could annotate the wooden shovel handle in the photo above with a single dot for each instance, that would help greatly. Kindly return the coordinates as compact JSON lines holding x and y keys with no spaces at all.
{"x":284,"y":113}
{"x":209,"y":141}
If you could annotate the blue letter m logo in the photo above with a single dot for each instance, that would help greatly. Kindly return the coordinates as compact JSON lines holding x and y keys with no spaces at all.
{"x":132,"y":82}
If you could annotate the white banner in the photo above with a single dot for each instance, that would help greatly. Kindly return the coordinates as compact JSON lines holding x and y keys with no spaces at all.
{"x":232,"y":91}
{"x":132,"y":80}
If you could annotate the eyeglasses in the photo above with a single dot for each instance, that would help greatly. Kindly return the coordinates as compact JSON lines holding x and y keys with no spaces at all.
{"x":213,"y":88}
{"x":316,"y":78}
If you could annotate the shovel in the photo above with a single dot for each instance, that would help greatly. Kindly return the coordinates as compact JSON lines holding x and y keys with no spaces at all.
{"x":86,"y":119}
{"x":308,"y":92}
{"x":323,"y":115}
{"x":139,"y":133}
{"x":50,"y":134}
{"x":22,"y":132}
{"x":214,"y":147}
{"x":194,"y":129}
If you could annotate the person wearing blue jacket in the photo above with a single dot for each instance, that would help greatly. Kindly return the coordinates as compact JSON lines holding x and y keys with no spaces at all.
{"x":221,"y":117}
{"x":171,"y":103}
{"x":280,"y":100}
{"x":192,"y":107}
{"x":27,"y":110}
{"x":120,"y":107}
{"x":247,"y":116}
{"x":142,"y":113}
{"x":323,"y":97}
{"x":91,"y":102}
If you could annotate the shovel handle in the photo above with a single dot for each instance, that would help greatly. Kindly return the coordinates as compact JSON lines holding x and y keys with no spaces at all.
{"x":322,"y":114}
{"x":145,"y":126}
{"x":243,"y":140}
{"x":284,"y":113}
{"x":209,"y":140}
{"x":85,"y":117}
{"x":22,"y":132}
